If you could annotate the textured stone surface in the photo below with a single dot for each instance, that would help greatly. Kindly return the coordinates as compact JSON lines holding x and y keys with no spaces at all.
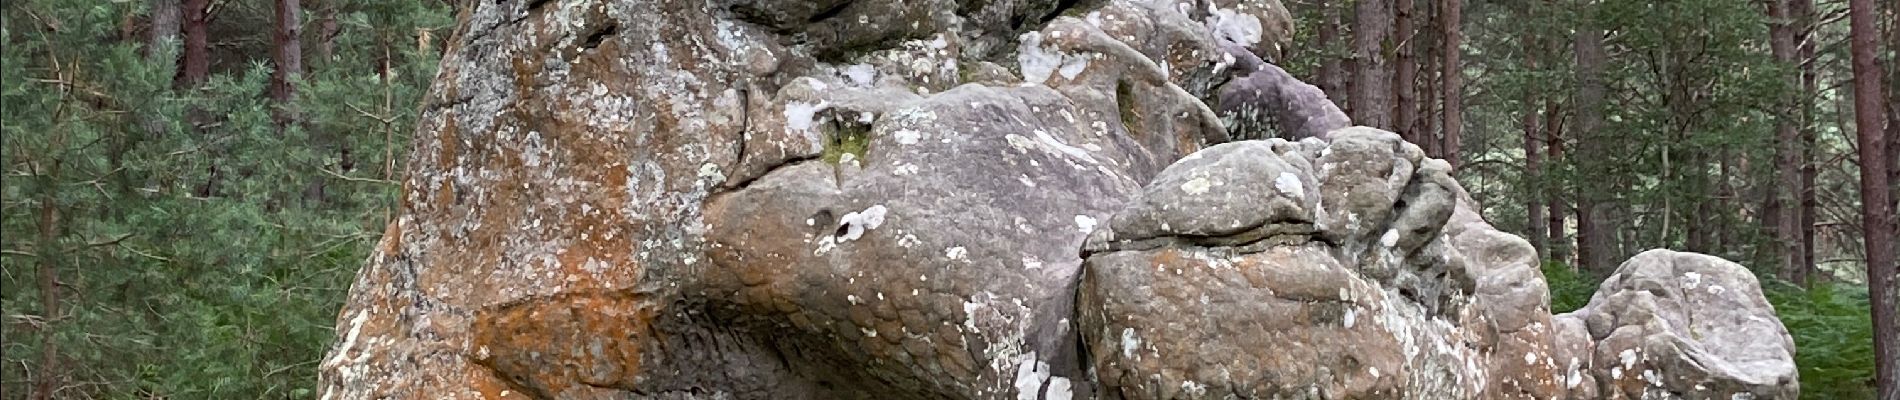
{"x":957,"y":200}
{"x":1682,"y":325}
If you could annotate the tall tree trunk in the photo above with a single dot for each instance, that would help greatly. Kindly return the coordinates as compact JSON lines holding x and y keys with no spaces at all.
{"x":1594,"y":247}
{"x":1559,"y":198}
{"x":1788,"y":150}
{"x":327,"y":29}
{"x":1331,"y":77}
{"x":1803,"y":11}
{"x":1876,"y":205}
{"x":1425,"y":94}
{"x":196,"y":66}
{"x":1893,"y":108}
{"x":1371,"y":76}
{"x":1533,"y":162}
{"x":167,"y":20}
{"x":1405,"y":80}
{"x":48,"y":382}
{"x":1450,"y":18}
{"x":286,"y":51}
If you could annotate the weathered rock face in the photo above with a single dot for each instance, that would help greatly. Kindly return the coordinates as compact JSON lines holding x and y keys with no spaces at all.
{"x":962,"y":200}
{"x":1682,"y":325}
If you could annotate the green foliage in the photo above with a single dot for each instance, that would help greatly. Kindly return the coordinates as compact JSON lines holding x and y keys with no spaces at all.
{"x":846,"y":138}
{"x":1833,"y":338}
{"x":1570,"y":288}
{"x":194,"y":255}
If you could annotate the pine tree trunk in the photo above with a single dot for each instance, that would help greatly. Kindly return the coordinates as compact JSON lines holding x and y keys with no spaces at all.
{"x":1788,"y":151}
{"x":286,"y":51}
{"x":1533,"y":163}
{"x":1371,"y":92}
{"x":167,"y":20}
{"x":196,"y":65}
{"x":1331,"y":77}
{"x":1893,"y":113}
{"x":1594,"y":243}
{"x":1803,"y":11}
{"x":1559,"y":207}
{"x":1451,"y":16}
{"x":1876,"y":205}
{"x":1405,"y":80}
{"x":49,"y":378}
{"x":327,"y":29}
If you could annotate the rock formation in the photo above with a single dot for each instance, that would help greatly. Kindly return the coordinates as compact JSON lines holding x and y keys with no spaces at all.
{"x":836,"y":199}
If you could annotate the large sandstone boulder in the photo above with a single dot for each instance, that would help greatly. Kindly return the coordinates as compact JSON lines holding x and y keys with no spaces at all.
{"x":1683,"y":325}
{"x":956,"y":200}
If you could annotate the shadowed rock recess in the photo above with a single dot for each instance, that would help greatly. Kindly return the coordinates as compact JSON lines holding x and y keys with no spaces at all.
{"x":984,"y":199}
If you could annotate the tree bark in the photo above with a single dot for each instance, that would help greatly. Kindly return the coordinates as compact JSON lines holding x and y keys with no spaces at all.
{"x":1594,"y":247}
{"x":167,"y":20}
{"x":1533,"y":162}
{"x":286,"y":51}
{"x":1405,"y":80}
{"x":196,"y":65}
{"x":1371,"y":95}
{"x":1559,"y":207}
{"x":1803,"y":11}
{"x":327,"y":29}
{"x":48,"y":382}
{"x":1876,"y":206}
{"x":1331,"y":76}
{"x":1451,"y":16}
{"x":1788,"y":150}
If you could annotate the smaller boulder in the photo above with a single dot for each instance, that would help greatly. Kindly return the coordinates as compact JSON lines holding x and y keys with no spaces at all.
{"x":1674,"y":325}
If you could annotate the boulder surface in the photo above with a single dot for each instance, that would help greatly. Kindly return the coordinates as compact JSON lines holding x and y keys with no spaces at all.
{"x":1004,"y":199}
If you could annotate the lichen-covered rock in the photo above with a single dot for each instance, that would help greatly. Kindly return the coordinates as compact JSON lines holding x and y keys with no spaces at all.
{"x":1221,"y":278}
{"x":1672,"y":325}
{"x":824,"y":199}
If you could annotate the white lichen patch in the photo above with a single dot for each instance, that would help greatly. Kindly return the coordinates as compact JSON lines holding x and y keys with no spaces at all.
{"x":907,"y":136}
{"x":1691,"y":279}
{"x":710,"y":172}
{"x":861,"y":75}
{"x":1073,"y":66}
{"x":1036,"y":62}
{"x":1064,"y":148}
{"x":349,"y":340}
{"x":800,"y":116}
{"x":1030,"y":374}
{"x":858,"y":222}
{"x":1197,"y":186}
{"x":1574,"y":376}
{"x":1059,"y":389}
{"x":1193,"y":389}
{"x":1233,"y":26}
{"x":1130,"y":343}
{"x":1289,"y":184}
{"x":955,"y":253}
{"x":1390,"y":238}
{"x":1084,"y":223}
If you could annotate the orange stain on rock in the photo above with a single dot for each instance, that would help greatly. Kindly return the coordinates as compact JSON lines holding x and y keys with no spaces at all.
{"x":573,"y":340}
